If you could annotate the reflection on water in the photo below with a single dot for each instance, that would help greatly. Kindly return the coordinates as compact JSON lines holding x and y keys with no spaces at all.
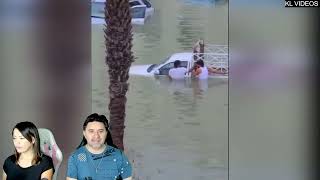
{"x":174,"y":129}
{"x":193,"y":86}
{"x":178,"y":126}
{"x":186,"y":93}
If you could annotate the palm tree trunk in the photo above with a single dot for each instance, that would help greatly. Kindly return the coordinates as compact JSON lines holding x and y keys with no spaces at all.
{"x":118,"y":41}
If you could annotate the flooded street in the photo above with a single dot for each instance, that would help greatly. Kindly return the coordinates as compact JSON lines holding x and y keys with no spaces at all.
{"x":53,"y":73}
{"x":173,"y":130}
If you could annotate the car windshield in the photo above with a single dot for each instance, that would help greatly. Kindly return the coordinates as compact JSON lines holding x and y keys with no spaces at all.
{"x":151,"y":67}
{"x":134,"y":3}
{"x":147,"y":3}
{"x":165,"y":60}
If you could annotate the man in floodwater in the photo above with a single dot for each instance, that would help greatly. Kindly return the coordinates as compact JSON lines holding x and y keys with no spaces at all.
{"x":177,"y":72}
{"x":200,"y":71}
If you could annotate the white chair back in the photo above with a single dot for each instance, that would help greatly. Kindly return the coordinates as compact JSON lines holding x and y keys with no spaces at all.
{"x":50,"y":148}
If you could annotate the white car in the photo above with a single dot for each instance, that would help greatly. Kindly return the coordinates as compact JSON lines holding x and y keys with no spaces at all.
{"x":140,"y":11}
{"x":187,"y":61}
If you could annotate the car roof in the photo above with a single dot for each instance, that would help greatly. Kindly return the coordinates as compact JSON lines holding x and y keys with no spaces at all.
{"x":180,"y":56}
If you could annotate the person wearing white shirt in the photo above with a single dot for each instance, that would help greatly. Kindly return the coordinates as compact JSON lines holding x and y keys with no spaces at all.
{"x":177,"y":73}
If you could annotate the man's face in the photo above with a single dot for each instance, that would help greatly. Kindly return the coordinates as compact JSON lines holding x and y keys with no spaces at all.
{"x":95,"y":134}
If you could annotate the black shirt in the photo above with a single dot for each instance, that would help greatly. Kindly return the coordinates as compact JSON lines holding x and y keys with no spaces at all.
{"x":15,"y":172}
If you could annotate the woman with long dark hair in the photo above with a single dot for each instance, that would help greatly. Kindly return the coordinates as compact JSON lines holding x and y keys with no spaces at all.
{"x":28,"y":162}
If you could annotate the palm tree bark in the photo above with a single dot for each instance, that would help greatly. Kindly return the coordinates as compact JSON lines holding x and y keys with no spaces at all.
{"x":118,"y":41}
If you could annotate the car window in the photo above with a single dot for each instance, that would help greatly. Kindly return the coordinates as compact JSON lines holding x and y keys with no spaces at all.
{"x":165,"y":60}
{"x":164,"y":70}
{"x":184,"y":64}
{"x":138,"y":12}
{"x":150,"y":68}
{"x":134,"y":3}
{"x":147,"y":3}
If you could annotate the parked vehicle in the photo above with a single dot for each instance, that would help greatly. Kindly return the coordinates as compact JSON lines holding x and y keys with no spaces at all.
{"x":217,"y":58}
{"x":140,"y":11}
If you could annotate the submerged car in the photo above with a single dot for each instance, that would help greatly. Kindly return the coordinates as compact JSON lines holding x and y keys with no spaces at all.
{"x":140,"y":11}
{"x":217,"y":60}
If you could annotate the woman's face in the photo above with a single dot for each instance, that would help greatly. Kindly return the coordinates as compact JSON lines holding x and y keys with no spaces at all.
{"x":21,"y":144}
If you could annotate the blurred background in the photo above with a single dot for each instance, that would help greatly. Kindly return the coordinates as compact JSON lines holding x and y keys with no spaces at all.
{"x":45,"y":70}
{"x":270,"y":90}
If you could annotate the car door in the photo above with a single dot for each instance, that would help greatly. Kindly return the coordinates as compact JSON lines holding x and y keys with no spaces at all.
{"x":164,"y":70}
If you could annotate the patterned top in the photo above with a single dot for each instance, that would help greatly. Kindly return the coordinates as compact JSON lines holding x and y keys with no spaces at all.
{"x":108,"y":165}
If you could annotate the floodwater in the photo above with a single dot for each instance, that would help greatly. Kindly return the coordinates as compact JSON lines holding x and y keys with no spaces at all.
{"x":174,"y":130}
